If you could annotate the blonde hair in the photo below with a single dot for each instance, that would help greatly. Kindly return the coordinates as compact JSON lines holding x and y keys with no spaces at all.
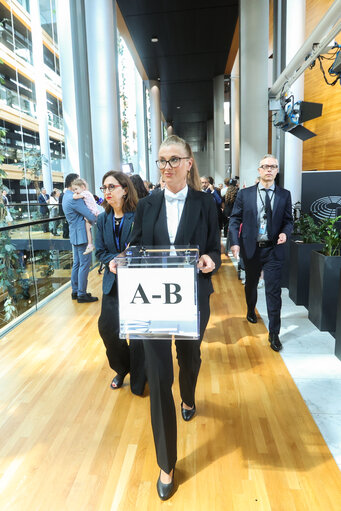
{"x":193,"y":178}
{"x":80,"y":182}
{"x":267,"y":156}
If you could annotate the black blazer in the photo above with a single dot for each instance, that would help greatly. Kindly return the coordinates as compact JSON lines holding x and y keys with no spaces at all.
{"x":198,"y":226}
{"x":245,"y":212}
{"x":105,"y":244}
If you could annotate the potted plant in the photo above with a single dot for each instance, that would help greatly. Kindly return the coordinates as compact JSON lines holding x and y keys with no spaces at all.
{"x":324,"y":277}
{"x":308,"y":239}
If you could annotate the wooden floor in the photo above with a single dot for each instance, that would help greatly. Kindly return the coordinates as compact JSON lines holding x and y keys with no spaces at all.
{"x":69,"y":442}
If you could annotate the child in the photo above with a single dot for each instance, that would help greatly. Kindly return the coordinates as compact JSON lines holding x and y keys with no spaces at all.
{"x":80,"y":189}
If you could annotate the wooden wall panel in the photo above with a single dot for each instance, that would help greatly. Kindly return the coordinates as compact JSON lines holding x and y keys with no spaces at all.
{"x":322,"y":152}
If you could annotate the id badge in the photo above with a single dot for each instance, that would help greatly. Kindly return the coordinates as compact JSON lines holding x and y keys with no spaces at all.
{"x":262,"y":228}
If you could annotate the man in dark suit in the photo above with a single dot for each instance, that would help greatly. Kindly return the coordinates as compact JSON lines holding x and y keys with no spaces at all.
{"x":44,"y":210}
{"x":263,"y":212}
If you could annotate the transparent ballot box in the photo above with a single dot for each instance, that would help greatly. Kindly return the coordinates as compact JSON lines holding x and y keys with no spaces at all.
{"x":157,"y":292}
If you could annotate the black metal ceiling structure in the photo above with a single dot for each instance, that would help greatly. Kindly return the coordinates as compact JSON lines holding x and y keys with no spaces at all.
{"x":194,"y":39}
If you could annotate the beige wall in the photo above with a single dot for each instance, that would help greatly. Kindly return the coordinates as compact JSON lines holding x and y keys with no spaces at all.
{"x":322,"y":152}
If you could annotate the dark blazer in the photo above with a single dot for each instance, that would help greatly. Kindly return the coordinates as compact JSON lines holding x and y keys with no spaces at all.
{"x":245,"y":212}
{"x":105,"y":244}
{"x":198,"y":226}
{"x":43,"y":201}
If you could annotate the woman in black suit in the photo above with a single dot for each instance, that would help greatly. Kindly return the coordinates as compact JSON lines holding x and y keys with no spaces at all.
{"x":114,"y":228}
{"x":179,"y":215}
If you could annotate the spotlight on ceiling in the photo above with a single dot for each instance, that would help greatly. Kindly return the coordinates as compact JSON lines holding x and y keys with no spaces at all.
{"x":154,"y":39}
{"x":291,"y":116}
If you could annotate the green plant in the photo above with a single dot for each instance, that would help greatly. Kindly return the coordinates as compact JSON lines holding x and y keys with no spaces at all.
{"x":8,"y":273}
{"x":331,"y":237}
{"x":34,"y":161}
{"x":310,"y":231}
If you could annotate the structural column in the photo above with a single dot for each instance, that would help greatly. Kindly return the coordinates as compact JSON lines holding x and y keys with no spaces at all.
{"x":235,"y":119}
{"x":76,"y":111}
{"x":253,"y":56}
{"x":293,"y":152}
{"x":219,"y":129}
{"x":101,"y":38}
{"x":155,"y":124}
{"x":40,"y":88}
{"x":72,"y":163}
{"x":140,"y":127}
{"x":210,"y":148}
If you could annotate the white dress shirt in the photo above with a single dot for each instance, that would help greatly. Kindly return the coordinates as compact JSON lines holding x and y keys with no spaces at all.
{"x":174,"y":206}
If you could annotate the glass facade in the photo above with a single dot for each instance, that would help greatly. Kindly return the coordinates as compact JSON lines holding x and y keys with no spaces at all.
{"x":35,"y":252}
{"x":21,"y":162}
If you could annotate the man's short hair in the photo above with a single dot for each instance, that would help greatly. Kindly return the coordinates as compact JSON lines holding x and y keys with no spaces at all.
{"x":69,"y":178}
{"x":267,"y":156}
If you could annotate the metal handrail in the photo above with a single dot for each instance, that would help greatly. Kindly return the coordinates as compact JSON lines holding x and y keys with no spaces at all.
{"x":29,"y":224}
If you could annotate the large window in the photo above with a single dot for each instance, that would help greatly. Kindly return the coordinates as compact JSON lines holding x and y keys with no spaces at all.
{"x":21,"y":121}
{"x":132,"y":110}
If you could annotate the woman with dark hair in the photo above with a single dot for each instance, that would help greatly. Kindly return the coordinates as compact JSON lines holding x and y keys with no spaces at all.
{"x":139,"y":186}
{"x":178,"y":215}
{"x":114,"y":227}
{"x":230,"y":198}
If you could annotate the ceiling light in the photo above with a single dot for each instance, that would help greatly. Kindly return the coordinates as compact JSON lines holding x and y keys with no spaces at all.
{"x":154,"y":40}
{"x":178,"y":107}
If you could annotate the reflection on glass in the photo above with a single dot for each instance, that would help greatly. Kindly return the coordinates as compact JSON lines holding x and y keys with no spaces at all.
{"x":32,"y":269}
{"x":33,"y":265}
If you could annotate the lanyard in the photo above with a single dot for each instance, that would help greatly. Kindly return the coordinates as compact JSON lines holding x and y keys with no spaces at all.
{"x":117,"y":237}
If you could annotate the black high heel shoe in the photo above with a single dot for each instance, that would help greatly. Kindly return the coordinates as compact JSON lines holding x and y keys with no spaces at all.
{"x":165,"y":490}
{"x":187,"y":414}
{"x":118,"y":381}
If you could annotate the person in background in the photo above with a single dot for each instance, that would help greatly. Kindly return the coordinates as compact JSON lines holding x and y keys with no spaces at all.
{"x":54,"y":210}
{"x":44,"y":210}
{"x":6,"y":213}
{"x":80,"y":191}
{"x":229,"y":199}
{"x":139,"y":186}
{"x":114,"y":227}
{"x":260,"y":224}
{"x":75,"y":212}
{"x":207,"y":184}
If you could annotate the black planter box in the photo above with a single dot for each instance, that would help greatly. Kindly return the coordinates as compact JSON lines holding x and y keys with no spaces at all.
{"x":286,"y":261}
{"x":299,"y":271}
{"x":323,"y":290}
{"x":338,"y":324}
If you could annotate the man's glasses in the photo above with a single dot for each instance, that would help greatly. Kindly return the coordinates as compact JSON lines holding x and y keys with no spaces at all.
{"x":109,"y":188}
{"x":269,"y":167}
{"x":174,"y":162}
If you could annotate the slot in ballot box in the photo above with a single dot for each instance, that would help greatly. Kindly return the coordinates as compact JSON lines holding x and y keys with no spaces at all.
{"x":157,"y":292}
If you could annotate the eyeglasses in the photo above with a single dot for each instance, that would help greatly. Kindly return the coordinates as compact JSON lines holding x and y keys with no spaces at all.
{"x":269,"y":167}
{"x":174,"y":162}
{"x":109,"y":188}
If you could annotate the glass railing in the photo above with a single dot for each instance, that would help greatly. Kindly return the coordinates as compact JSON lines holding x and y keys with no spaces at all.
{"x":20,"y":48}
{"x":10,"y":98}
{"x":18,"y":213}
{"x":23,"y":104}
{"x":34,"y":264}
{"x":55,"y":121}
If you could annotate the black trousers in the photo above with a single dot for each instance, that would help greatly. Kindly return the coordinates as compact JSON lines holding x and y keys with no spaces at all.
{"x":122,"y":358}
{"x":160,"y":375}
{"x":264,"y":259}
